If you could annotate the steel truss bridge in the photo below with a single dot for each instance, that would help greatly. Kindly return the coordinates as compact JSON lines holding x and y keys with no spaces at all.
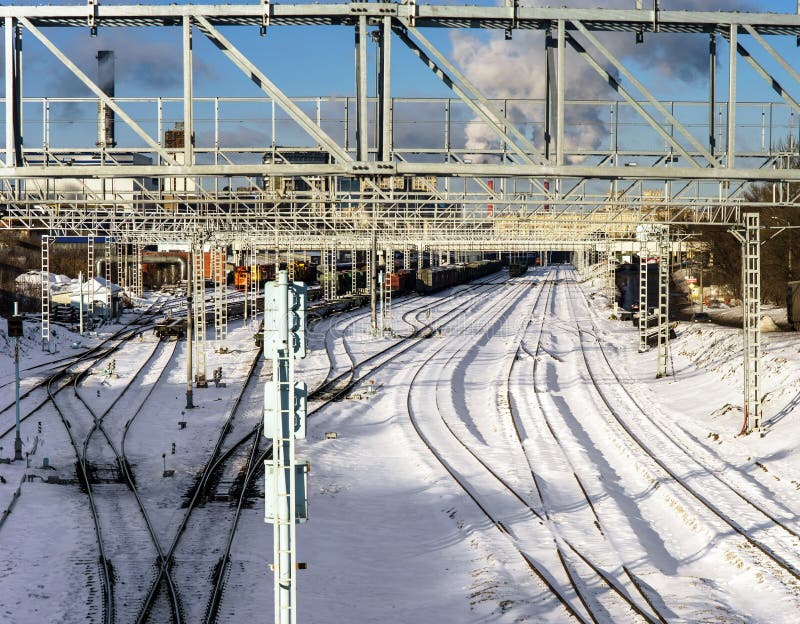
{"x":327,"y":173}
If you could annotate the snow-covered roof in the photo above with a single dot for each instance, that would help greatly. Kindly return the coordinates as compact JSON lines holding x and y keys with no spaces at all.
{"x":97,"y":285}
{"x":35,"y":277}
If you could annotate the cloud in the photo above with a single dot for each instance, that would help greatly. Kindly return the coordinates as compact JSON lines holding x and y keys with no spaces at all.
{"x":516,"y":69}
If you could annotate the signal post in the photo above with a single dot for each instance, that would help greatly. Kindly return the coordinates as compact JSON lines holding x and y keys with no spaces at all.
{"x":285,"y":479}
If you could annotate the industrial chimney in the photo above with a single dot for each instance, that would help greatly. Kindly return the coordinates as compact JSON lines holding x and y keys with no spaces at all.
{"x":105,"y":116}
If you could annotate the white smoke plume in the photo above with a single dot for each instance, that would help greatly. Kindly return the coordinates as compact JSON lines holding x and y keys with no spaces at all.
{"x":516,"y":69}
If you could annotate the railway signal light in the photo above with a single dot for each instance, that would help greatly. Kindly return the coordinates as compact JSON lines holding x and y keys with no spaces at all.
{"x":296,"y":318}
{"x":15,"y":327}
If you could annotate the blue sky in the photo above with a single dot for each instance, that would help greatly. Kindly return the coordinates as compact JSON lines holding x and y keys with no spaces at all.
{"x":311,"y":61}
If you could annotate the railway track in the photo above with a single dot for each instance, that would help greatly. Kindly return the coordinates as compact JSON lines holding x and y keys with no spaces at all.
{"x":771,"y":536}
{"x":124,"y":466}
{"x":201,"y":489}
{"x":553,"y":454}
{"x":465,"y":473}
{"x":260,"y":450}
{"x":334,"y":388}
{"x":100,"y":351}
{"x":505,"y":521}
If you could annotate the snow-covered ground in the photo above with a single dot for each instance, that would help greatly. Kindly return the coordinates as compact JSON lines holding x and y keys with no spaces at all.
{"x":486,"y":473}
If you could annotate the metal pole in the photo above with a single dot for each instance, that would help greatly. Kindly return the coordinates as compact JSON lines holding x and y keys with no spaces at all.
{"x":561,"y":63}
{"x":701,"y":280}
{"x":283,"y":575}
{"x":11,"y":101}
{"x":384,"y":91}
{"x":373,"y":285}
{"x":362,"y":110}
{"x":712,"y":91}
{"x":189,"y":312}
{"x":17,"y":439}
{"x":188,"y":113}
{"x":733,"y":42}
{"x":80,"y":307}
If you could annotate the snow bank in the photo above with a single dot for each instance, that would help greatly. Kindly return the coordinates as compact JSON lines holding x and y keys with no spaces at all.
{"x":766,"y":324}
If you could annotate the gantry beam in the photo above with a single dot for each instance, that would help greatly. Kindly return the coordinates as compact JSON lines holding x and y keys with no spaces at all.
{"x":420,"y":15}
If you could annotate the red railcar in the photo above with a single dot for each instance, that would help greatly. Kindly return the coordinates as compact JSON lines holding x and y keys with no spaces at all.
{"x":402,"y":281}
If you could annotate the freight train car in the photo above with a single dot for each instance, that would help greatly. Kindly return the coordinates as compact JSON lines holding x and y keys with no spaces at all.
{"x":170,"y":328}
{"x":246,"y":274}
{"x":436,"y":278}
{"x":515,"y":270}
{"x":402,"y":281}
{"x":305,"y":272}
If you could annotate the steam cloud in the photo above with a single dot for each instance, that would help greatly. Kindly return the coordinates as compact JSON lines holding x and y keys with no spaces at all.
{"x":516,"y":70}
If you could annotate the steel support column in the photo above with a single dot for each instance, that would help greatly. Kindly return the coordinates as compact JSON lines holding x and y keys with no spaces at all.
{"x":220,"y":300}
{"x":107,"y":249}
{"x":199,"y":298}
{"x":188,"y":95}
{"x":13,"y":92}
{"x":255,"y":278}
{"x":121,"y":272}
{"x":664,"y":253}
{"x":561,"y":69}
{"x":643,"y":312}
{"x":90,"y":274}
{"x":751,"y":303}
{"x":712,"y":93}
{"x":362,"y":105}
{"x":45,"y":292}
{"x":732,"y":58}
{"x":353,"y":265}
{"x":387,"y":285}
{"x":385,"y":124}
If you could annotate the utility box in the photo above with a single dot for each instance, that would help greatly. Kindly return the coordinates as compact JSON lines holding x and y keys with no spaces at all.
{"x":15,"y":327}
{"x":301,"y":492}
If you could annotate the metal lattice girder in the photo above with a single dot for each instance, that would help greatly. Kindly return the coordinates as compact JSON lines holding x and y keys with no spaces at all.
{"x":90,"y":272}
{"x":290,"y":264}
{"x":255,"y":277}
{"x":353,"y":265}
{"x":658,"y":105}
{"x":106,"y":100}
{"x":664,"y":277}
{"x":387,"y":283}
{"x":611,"y":275}
{"x":407,"y":19}
{"x":334,"y":277}
{"x":139,"y":272}
{"x":261,"y":80}
{"x":108,"y":248}
{"x":643,"y":309}
{"x":44,"y":284}
{"x":422,"y":15}
{"x":218,"y":258}
{"x":121,"y":256}
{"x":199,"y":310}
{"x":751,"y":302}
